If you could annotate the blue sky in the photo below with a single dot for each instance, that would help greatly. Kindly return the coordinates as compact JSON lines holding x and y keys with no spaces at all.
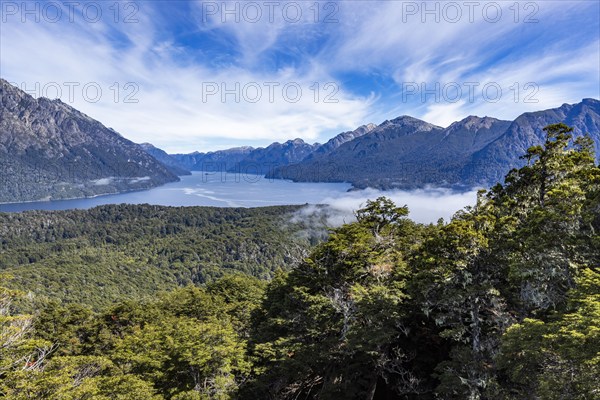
{"x":206,"y":75}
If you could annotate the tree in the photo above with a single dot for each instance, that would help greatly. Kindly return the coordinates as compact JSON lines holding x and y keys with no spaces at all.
{"x":182,"y":354}
{"x":545,"y":202}
{"x":79,"y":377}
{"x":514,"y":255}
{"x":559,"y":358}
{"x":328,"y":327}
{"x":19,"y":349}
{"x":457,"y":286}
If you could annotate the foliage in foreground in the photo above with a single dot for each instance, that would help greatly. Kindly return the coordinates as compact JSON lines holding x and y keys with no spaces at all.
{"x":502,"y":302}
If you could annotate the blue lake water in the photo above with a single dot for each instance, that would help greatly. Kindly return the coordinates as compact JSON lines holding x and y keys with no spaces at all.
{"x":200,"y":189}
{"x":231,"y":190}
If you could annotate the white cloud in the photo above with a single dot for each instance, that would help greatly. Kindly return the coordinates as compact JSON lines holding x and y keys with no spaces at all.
{"x":465,"y":52}
{"x":383,"y":39}
{"x":171,"y":106}
{"x":443,"y":114}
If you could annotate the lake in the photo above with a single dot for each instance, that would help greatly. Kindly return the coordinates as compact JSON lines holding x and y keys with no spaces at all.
{"x":235,"y":190}
{"x":200,"y":189}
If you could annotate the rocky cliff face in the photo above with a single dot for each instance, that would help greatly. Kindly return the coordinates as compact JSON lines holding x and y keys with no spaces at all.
{"x":49,"y":150}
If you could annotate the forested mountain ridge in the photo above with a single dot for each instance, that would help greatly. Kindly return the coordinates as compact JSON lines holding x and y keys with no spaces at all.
{"x":261,"y":160}
{"x":492,"y":162}
{"x":500,"y":303}
{"x":220,"y":160}
{"x":173,"y":165}
{"x":473,"y":152}
{"x":50,"y":150}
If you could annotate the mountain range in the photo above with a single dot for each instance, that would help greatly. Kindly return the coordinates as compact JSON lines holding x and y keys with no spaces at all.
{"x":401,"y":153}
{"x":221,"y":159}
{"x":263,"y":159}
{"x":248,"y":159}
{"x":408,"y":153}
{"x":49,"y":150}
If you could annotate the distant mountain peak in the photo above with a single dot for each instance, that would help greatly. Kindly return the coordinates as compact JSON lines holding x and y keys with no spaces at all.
{"x":593,"y":103}
{"x":405,"y":117}
{"x":244,"y":148}
{"x":361,"y":130}
{"x":339,"y":140}
{"x":296,"y":141}
{"x":473,"y":123}
{"x":412,"y":122}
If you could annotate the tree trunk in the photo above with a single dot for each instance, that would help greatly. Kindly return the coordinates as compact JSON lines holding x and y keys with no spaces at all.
{"x":476,"y":348}
{"x":476,"y":328}
{"x":372,"y":388}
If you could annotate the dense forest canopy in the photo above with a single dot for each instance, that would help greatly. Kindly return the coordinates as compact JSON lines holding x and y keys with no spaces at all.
{"x":108,"y":253}
{"x":502,"y":302}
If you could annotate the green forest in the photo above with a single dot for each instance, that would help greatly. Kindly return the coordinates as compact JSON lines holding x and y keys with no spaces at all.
{"x":106,"y":254}
{"x":144,"y":302}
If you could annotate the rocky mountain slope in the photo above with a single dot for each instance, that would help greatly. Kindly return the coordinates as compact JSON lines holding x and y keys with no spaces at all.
{"x":49,"y":150}
{"x":340,"y":139}
{"x":172,"y":164}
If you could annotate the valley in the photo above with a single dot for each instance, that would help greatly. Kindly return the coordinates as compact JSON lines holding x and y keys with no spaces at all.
{"x":313,"y":200}
{"x":86,"y":159}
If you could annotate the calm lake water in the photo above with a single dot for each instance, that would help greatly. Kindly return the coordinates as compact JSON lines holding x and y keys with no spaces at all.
{"x":198,"y":189}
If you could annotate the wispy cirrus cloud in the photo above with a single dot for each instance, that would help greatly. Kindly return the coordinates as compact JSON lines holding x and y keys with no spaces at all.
{"x":197,"y":67}
{"x":179,"y":102}
{"x":522,"y":48}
